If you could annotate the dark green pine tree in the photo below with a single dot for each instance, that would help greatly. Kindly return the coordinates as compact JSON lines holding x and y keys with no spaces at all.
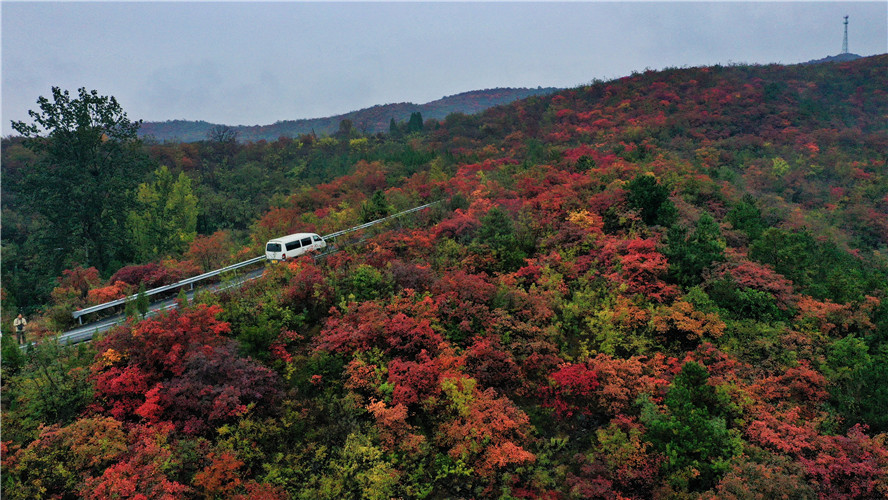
{"x":689,"y":256}
{"x":694,"y":433}
{"x":415,"y":123}
{"x":747,"y":217}
{"x":652,"y":199}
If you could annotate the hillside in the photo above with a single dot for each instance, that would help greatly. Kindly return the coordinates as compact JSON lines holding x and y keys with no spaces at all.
{"x":369,"y":120}
{"x":670,"y":285}
{"x":835,"y":59}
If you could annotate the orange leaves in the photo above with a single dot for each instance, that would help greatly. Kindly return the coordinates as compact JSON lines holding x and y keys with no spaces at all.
{"x":800,"y":384}
{"x":106,"y":294}
{"x":221,"y":477}
{"x":489,"y":434}
{"x":501,"y":455}
{"x":110,"y":357}
{"x":682,"y":322}
{"x":837,"y":319}
{"x":394,"y":431}
{"x":211,"y":252}
{"x":141,"y":474}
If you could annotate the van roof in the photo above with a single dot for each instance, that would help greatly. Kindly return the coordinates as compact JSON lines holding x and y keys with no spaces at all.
{"x":291,"y":237}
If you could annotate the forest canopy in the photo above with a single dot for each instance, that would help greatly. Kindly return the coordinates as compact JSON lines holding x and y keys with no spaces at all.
{"x":671,"y":285}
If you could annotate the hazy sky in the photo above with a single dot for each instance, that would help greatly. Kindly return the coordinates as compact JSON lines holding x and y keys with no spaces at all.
{"x":257,"y":63}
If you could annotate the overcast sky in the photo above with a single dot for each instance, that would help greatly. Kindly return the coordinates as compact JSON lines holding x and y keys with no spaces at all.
{"x":257,"y":63}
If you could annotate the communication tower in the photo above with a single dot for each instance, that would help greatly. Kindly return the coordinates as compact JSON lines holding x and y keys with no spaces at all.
{"x":845,"y":40}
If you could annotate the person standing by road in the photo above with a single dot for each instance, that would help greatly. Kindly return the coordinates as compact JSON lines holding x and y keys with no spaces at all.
{"x":20,"y":323}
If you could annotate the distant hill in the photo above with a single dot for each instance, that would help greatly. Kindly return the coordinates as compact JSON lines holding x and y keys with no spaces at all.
{"x":836,"y":59}
{"x":368,"y":120}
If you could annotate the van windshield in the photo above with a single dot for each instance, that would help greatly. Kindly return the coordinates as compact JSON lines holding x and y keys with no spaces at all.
{"x":273,"y":247}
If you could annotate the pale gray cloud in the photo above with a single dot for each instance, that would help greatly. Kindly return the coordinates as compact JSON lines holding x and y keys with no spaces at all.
{"x":257,"y":63}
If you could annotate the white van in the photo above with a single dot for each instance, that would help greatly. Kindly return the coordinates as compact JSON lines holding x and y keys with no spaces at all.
{"x":293,"y":245}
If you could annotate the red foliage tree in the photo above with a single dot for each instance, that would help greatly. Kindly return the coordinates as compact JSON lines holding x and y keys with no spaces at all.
{"x":642,"y":269}
{"x":488,"y":432}
{"x":308,"y":289}
{"x":405,"y":327}
{"x":141,"y":474}
{"x":570,"y":390}
{"x":850,"y":467}
{"x":394,"y":431}
{"x":414,"y":381}
{"x":152,"y":274}
{"x":491,"y":365}
{"x":80,"y":279}
{"x":179,"y":368}
{"x":211,"y":252}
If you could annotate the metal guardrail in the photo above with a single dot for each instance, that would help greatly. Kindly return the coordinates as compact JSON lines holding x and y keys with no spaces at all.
{"x":78,"y":315}
{"x":377,"y":221}
{"x":82,"y":312}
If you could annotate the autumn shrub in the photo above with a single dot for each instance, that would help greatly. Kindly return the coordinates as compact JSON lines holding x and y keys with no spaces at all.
{"x":111,"y":292}
{"x":179,"y":368}
{"x":52,"y":386}
{"x":211,"y":252}
{"x":308,"y":289}
{"x":62,"y":459}
{"x":571,"y":388}
{"x":152,"y":274}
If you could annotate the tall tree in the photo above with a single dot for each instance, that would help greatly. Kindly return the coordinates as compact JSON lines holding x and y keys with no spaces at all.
{"x":89,"y":160}
{"x":415,"y":123}
{"x":165,"y":221}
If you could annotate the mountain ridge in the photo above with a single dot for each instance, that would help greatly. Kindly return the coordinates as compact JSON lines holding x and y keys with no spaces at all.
{"x":373,"y":119}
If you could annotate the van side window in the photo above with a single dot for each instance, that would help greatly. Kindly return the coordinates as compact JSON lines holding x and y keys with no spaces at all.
{"x":293,"y":245}
{"x":306,"y":242}
{"x":316,"y":238}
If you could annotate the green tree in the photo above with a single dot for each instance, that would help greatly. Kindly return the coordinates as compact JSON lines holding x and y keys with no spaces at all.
{"x":690,"y":255}
{"x":747,"y":217}
{"x":142,"y":302}
{"x":394,"y":129}
{"x":693,"y":434}
{"x":415,"y":123}
{"x":497,"y":232}
{"x":652,"y":199}
{"x":50,"y":386}
{"x":89,"y":160}
{"x":375,"y":208}
{"x":346,"y":130}
{"x":165,"y":221}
